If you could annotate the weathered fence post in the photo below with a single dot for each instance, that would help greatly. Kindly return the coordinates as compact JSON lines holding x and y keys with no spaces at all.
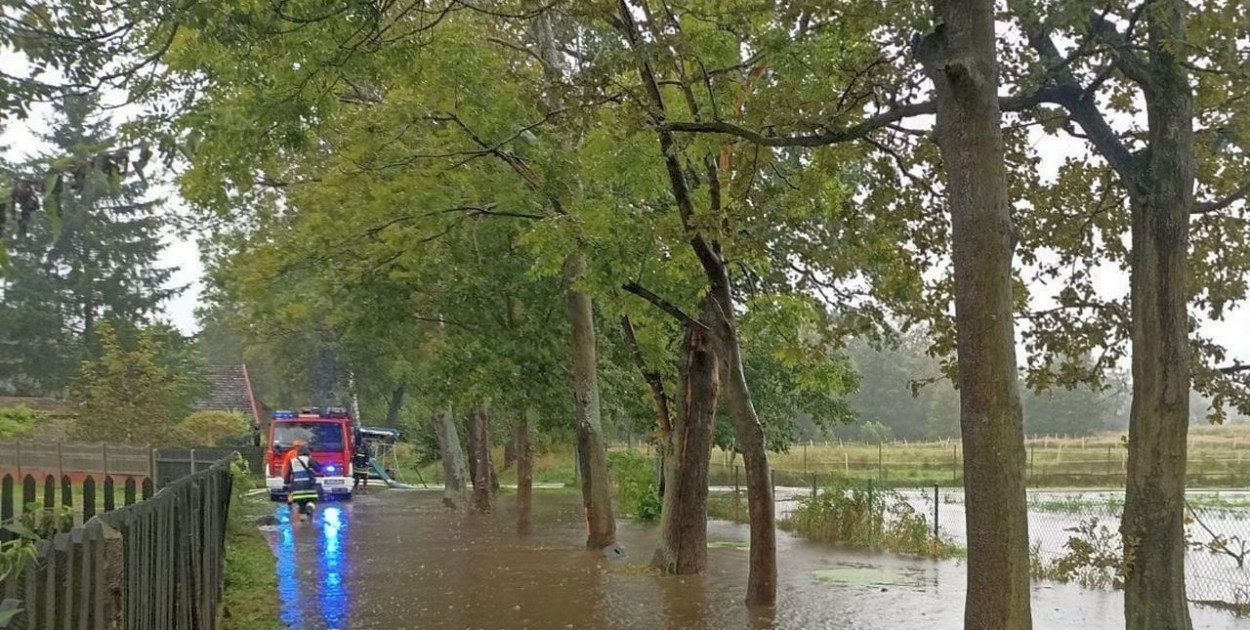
{"x":955,"y":464}
{"x":67,"y":491}
{"x":1030,"y":480}
{"x":88,"y":498}
{"x":28,"y":491}
{"x":110,"y":501}
{"x":880,"y":467}
{"x":936,"y":509}
{"x":1109,"y":469}
{"x":49,"y":492}
{"x":6,"y":498}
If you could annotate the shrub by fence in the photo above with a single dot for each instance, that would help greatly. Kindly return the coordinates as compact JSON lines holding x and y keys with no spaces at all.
{"x":1074,"y":536}
{"x":154,"y":565}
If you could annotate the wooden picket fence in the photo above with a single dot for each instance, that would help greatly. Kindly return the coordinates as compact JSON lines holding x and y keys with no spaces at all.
{"x":155,"y":564}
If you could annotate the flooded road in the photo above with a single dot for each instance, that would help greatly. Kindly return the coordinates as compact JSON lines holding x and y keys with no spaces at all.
{"x":399,"y":560}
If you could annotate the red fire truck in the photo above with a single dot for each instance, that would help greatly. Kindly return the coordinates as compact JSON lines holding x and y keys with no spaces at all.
{"x":328,"y":435}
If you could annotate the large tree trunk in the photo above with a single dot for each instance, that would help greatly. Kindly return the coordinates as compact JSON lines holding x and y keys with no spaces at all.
{"x":483,"y":473}
{"x":593,"y":459}
{"x":394,"y":405}
{"x":683,"y":522}
{"x":960,"y":59}
{"x":524,"y":474}
{"x":1154,"y":507}
{"x":454,"y":473}
{"x":762,"y":575}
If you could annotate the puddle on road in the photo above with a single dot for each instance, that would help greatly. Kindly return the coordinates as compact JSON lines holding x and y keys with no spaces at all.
{"x":398,"y":560}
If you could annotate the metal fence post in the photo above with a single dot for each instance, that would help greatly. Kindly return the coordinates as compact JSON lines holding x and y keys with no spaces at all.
{"x":880,"y":467}
{"x":955,"y":464}
{"x":936,"y":503}
{"x":813,"y":485}
{"x":1030,"y":480}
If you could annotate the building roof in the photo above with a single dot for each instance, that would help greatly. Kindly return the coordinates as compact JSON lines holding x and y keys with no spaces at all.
{"x":231,"y":390}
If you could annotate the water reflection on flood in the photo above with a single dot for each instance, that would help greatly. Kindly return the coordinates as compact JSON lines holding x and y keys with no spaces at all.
{"x":314,"y":584}
{"x":399,"y":560}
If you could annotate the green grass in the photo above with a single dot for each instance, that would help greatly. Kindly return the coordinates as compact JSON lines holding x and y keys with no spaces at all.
{"x":250,"y":601}
{"x":1219,"y":457}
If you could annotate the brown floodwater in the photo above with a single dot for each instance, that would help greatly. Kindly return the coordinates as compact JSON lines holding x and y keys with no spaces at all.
{"x":398,"y":560}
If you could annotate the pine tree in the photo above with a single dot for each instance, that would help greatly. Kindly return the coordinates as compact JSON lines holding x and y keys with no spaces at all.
{"x":90,"y":257}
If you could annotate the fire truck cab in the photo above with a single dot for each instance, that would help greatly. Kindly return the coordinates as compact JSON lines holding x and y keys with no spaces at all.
{"x":328,"y":435}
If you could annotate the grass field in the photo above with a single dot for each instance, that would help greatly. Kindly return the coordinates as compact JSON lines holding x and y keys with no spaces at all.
{"x":1219,"y":457}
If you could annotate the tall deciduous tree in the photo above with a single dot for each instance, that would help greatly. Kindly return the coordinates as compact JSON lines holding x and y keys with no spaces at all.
{"x":1173,"y":57}
{"x":960,"y":59}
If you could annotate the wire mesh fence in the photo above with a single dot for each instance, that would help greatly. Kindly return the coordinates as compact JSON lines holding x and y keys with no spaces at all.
{"x":1081,"y":462}
{"x":1074,"y":535}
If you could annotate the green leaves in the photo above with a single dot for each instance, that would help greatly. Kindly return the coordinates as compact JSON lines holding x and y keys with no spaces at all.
{"x":52,"y":200}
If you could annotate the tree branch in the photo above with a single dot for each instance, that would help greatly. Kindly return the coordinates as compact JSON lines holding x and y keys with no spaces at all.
{"x":1236,"y":368}
{"x":1080,"y":104}
{"x":1216,"y":206}
{"x":886,"y":119}
{"x":1121,"y":52}
{"x":653,"y":378}
{"x":665,"y":305}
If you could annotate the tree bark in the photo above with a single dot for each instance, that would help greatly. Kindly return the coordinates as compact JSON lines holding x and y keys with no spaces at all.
{"x":509,"y":453}
{"x":683,"y":522}
{"x":762,"y":575}
{"x":483,"y":477}
{"x":960,"y":59}
{"x":596,"y":488}
{"x":394,"y":405}
{"x":1153,"y":525}
{"x":454,"y":473}
{"x":524,"y":474}
{"x":659,"y":397}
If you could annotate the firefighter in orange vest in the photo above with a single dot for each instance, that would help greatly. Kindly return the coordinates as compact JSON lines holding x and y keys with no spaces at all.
{"x":289,"y":455}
